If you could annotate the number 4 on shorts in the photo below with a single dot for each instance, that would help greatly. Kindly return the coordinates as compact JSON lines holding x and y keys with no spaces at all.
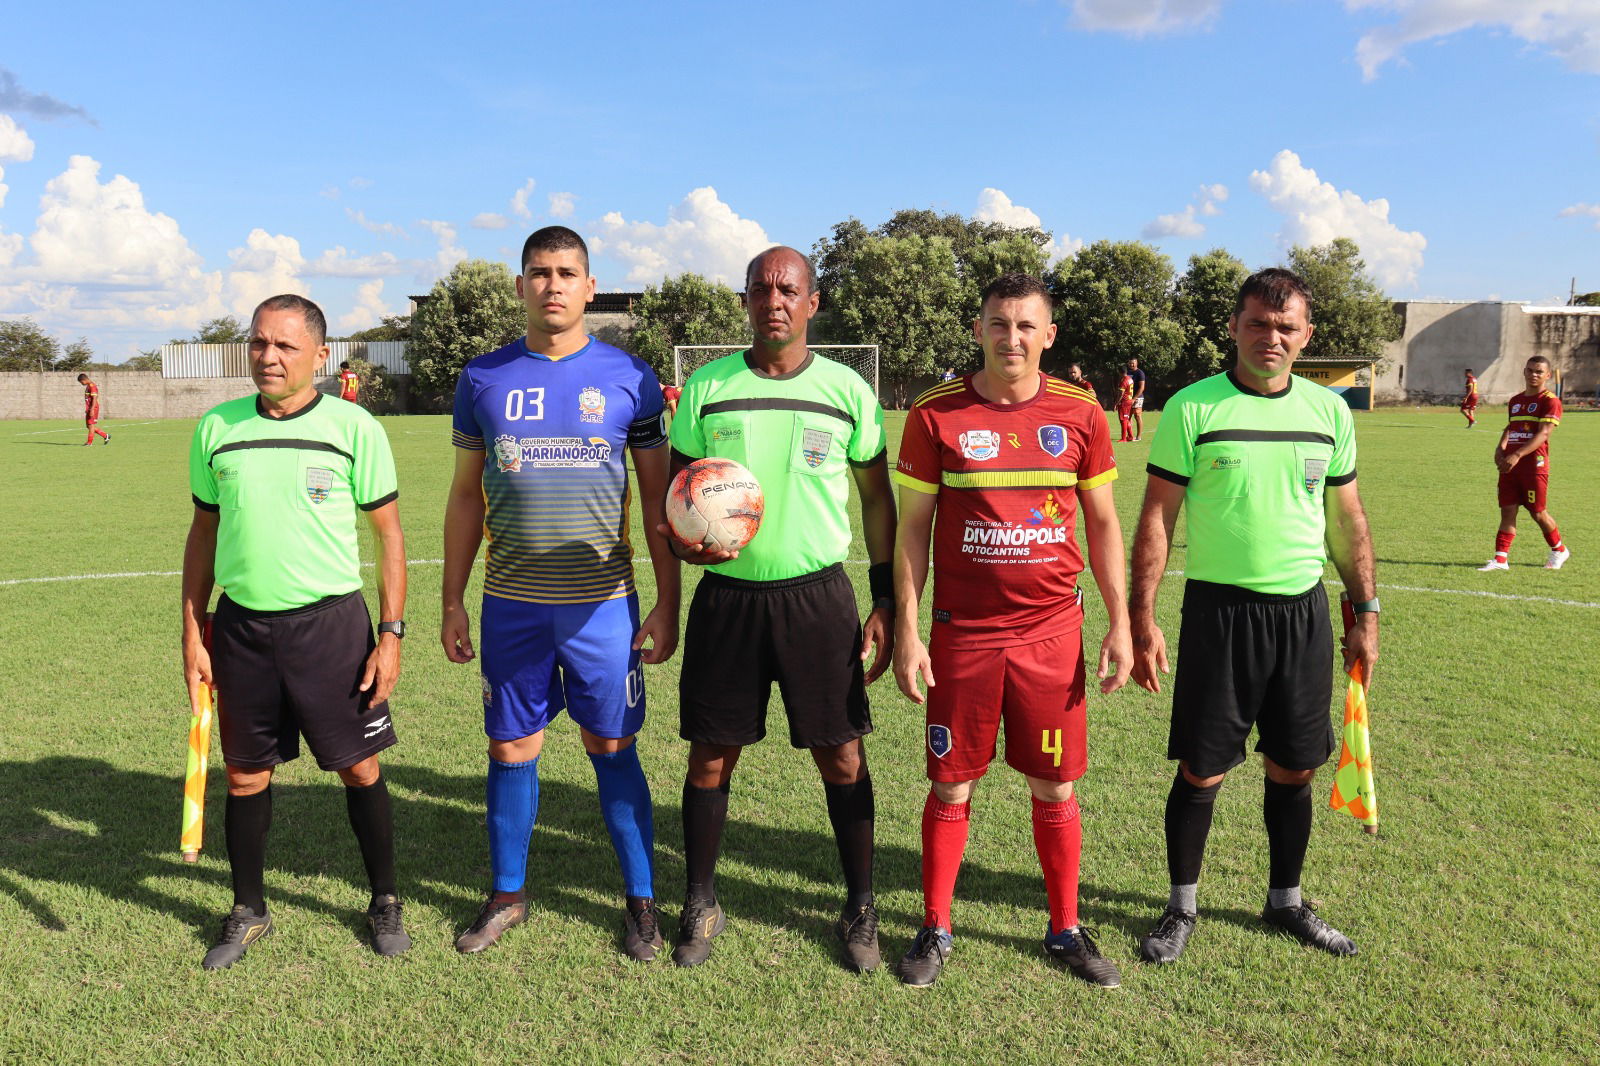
{"x":1050,"y":744}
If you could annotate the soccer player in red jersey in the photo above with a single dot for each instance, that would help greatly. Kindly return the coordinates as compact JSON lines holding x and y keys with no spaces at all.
{"x":1125,"y":407}
{"x":1075,"y":377}
{"x":670,"y":394}
{"x":1469,"y":400}
{"x":349,"y":383}
{"x":1523,"y":456}
{"x":91,"y":410}
{"x":993,"y":470}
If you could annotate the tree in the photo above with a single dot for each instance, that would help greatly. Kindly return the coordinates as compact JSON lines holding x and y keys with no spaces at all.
{"x":1352,"y":316}
{"x":224,"y":330}
{"x":150,"y":360}
{"x":376,"y":390}
{"x":1585,"y":299}
{"x":472,"y":310}
{"x":75,"y":356}
{"x":1114,"y":302}
{"x":903,"y":293}
{"x":392,"y":328}
{"x":1202,"y":303}
{"x":687,"y":309}
{"x":26,"y":347}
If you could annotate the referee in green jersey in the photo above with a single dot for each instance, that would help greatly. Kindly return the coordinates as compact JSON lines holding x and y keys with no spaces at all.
{"x":1265,"y":462}
{"x":278,"y":479}
{"x":782,"y":609}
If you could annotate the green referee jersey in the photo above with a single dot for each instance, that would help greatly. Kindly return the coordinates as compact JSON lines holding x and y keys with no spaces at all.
{"x":799,"y":433}
{"x":286,"y":492}
{"x":1254,"y":469}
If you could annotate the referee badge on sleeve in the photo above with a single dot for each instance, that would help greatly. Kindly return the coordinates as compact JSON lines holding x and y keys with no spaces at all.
{"x":939,"y":741}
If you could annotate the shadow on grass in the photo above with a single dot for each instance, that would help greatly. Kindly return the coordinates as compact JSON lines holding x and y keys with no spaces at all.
{"x":84,"y":823}
{"x":52,"y":443}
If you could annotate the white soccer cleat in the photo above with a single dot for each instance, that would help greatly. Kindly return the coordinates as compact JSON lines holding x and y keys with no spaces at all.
{"x":1494,"y":564}
{"x":1557,"y":557}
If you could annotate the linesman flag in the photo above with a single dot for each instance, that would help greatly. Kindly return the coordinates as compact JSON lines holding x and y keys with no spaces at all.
{"x":1353,"y":789}
{"x":194,"y":779}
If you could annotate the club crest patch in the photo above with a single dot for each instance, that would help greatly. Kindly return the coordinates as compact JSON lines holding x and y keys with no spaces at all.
{"x":1315,"y":469}
{"x":319,"y":482}
{"x":507,"y":454}
{"x":1053,"y":439}
{"x":488,"y":692}
{"x":980,"y":444}
{"x":814,"y":445}
{"x":591,"y":405}
{"x":939,"y":740}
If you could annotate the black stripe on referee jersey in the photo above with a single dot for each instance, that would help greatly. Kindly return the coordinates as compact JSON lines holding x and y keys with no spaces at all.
{"x":881,"y":457}
{"x":287,"y":442}
{"x":380,"y":501}
{"x":778,"y":403}
{"x":1342,"y":479}
{"x":1164,"y":474}
{"x":1296,"y":436}
{"x":213,"y":508}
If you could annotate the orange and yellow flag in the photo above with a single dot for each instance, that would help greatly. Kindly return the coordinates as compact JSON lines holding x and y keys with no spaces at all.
{"x":1353,"y":790}
{"x":194,"y":780}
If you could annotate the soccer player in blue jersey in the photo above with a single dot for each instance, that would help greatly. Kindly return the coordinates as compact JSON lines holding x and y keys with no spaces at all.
{"x":540,"y":427}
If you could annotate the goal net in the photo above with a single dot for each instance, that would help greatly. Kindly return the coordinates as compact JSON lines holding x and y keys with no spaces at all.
{"x":862,"y":358}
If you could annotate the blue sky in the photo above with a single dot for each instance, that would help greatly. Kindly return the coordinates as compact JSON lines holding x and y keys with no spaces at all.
{"x":159,"y":171}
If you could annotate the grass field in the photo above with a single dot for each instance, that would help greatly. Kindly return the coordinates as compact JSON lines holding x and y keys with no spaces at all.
{"x":1473,"y":909}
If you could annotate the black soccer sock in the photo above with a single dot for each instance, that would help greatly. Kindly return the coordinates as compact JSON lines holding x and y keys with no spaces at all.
{"x":372,"y":817}
{"x":1188,"y":823}
{"x":852,"y":810}
{"x":246,"y":820}
{"x":705,"y":811}
{"x":1287,"y":811}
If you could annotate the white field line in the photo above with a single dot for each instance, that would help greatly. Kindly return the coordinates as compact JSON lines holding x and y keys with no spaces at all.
{"x":119,"y":425}
{"x":849,"y":562}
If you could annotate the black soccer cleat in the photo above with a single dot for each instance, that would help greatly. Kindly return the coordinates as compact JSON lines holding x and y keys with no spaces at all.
{"x":494,"y":918}
{"x":858,"y":930}
{"x":1166,"y":941}
{"x":1074,"y":949}
{"x":388,"y":932}
{"x":921,"y":964}
{"x":701,"y":922}
{"x":641,"y":932}
{"x":1302,"y":923}
{"x":240,"y":929}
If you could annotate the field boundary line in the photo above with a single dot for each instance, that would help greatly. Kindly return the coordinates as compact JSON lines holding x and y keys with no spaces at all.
{"x":74,"y":429}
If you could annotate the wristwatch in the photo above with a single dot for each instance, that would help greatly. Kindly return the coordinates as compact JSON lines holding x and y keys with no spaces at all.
{"x":1365,"y":606}
{"x":397,"y":627}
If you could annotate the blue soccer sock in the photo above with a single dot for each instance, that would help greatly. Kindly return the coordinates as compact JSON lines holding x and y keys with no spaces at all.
{"x":513,"y":801}
{"x":625,"y":806}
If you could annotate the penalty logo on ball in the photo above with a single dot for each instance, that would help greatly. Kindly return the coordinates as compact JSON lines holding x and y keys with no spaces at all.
{"x":716,"y":503}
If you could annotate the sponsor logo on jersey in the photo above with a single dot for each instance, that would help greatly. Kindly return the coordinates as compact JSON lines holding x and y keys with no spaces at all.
{"x":1515,"y":408}
{"x":939,"y":740}
{"x":1013,"y":440}
{"x":227,"y":473}
{"x":726,"y":433}
{"x":507,"y":454}
{"x":1226,"y":462}
{"x":998,"y":539}
{"x":1315,"y":469}
{"x":319,"y":481}
{"x":814,"y":445}
{"x":561,"y":452}
{"x":1048,"y":511}
{"x":1053,"y":439}
{"x":980,"y":444}
{"x":591,"y":405}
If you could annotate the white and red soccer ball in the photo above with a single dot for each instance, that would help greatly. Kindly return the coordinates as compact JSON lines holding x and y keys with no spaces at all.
{"x":715,"y":502}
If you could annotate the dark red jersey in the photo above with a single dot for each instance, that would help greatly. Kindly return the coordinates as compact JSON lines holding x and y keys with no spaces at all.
{"x":1528,"y":413}
{"x":1125,"y":393}
{"x":91,"y":402}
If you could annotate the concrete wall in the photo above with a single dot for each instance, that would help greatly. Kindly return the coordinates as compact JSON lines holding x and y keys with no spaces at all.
{"x":137,"y":394}
{"x":1494,"y":340}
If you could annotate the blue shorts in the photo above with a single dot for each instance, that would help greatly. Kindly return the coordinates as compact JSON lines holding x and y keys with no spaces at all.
{"x":540,"y":658}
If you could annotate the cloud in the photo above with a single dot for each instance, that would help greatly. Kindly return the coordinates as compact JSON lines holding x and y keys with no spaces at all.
{"x":519,"y":201}
{"x":562,"y":204}
{"x":1575,"y":211}
{"x":360,"y":183}
{"x":450,"y":253}
{"x":329,"y":192}
{"x":1315,"y":213}
{"x":337,"y":262}
{"x":368,"y":311}
{"x":996,"y":206}
{"x":1186,"y":223}
{"x":702,"y":234}
{"x":267,"y":265}
{"x":1142,"y":18}
{"x":13,"y":97}
{"x":15,"y":144}
{"x":384,"y":228}
{"x":1568,"y":29}
{"x":489,"y":220}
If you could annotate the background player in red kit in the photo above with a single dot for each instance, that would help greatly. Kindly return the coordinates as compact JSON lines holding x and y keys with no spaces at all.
{"x":91,"y":410}
{"x":1125,"y":406}
{"x":1523,"y":456}
{"x":1006,"y":458}
{"x":349,"y":383}
{"x":1469,"y":400}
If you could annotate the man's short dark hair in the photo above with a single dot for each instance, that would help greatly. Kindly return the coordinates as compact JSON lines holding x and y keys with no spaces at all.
{"x":83,"y":377}
{"x":345,"y":365}
{"x":1015,"y":286}
{"x":554,"y":239}
{"x":1539,"y":359}
{"x":316,"y":321}
{"x":811,"y":268}
{"x":1274,"y":287}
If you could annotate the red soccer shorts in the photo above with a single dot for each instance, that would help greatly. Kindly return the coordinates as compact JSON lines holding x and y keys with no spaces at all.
{"x":1036,"y":689}
{"x":1524,"y":486}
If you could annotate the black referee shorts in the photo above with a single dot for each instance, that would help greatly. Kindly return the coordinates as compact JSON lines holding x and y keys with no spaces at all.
{"x":1249,"y":658}
{"x":283,"y":673}
{"x":802,"y":632}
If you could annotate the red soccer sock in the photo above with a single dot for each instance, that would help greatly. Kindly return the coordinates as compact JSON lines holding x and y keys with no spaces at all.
{"x":1058,"y":836}
{"x":944,"y":841}
{"x":1553,"y":538}
{"x":1502,"y":544}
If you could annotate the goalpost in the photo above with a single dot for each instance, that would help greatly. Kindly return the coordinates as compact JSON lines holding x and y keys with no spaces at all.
{"x":862,"y":358}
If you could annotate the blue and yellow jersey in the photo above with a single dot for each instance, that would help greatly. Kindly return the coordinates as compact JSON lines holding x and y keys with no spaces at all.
{"x":555,"y":485}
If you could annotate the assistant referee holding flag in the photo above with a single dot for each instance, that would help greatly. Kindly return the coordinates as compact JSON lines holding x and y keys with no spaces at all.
{"x":278,"y":480}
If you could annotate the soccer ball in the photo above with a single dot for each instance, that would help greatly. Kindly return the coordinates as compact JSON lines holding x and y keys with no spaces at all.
{"x":715,"y":502}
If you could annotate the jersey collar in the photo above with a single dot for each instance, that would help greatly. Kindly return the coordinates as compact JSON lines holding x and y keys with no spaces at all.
{"x":796,"y":372}
{"x":262,"y":411}
{"x":1280,"y":394}
{"x":531,"y":354}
